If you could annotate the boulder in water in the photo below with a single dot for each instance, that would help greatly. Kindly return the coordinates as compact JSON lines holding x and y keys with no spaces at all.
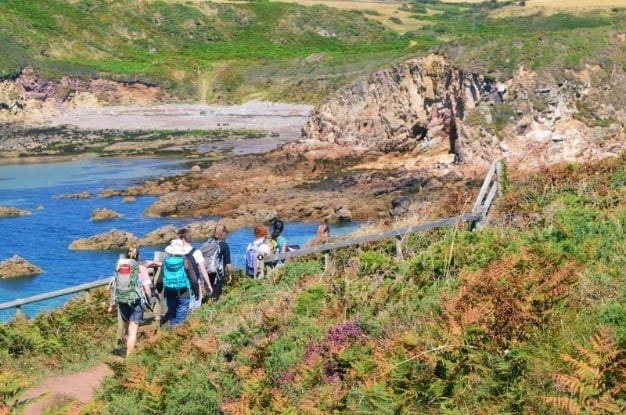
{"x":111,"y":240}
{"x":17,"y":267}
{"x":104,"y":214}
{"x":160,"y":236}
{"x":11,"y":212}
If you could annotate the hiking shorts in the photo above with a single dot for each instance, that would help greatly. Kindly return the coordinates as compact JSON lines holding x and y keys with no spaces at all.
{"x":132,"y":313}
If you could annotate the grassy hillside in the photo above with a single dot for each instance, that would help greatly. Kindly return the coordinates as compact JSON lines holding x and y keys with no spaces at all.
{"x":525,"y":316}
{"x":284,"y":51}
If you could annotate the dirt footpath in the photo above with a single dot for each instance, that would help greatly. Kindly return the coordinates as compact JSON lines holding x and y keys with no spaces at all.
{"x":78,"y":386}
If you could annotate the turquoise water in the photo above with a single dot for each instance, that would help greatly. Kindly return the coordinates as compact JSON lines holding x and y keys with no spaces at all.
{"x":43,"y":237}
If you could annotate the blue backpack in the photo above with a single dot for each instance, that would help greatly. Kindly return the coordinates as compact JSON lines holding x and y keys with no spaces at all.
{"x":174,"y":274}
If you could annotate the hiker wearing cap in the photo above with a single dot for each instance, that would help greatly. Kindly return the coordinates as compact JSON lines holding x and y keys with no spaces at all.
{"x":180,"y":282}
{"x":130,"y":286}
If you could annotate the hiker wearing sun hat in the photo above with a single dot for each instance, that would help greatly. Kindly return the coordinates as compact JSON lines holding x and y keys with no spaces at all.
{"x":179,"y":281}
{"x":197,"y":260}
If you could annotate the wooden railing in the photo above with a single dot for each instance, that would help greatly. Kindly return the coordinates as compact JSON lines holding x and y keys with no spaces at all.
{"x":151,"y":318}
{"x":469,"y":217}
{"x":18,"y":303}
{"x":475,"y":218}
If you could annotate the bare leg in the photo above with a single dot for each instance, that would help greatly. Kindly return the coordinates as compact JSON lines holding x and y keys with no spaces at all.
{"x":131,"y":337}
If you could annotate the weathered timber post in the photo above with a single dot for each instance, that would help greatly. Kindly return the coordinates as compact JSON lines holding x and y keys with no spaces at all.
{"x":399,"y":246}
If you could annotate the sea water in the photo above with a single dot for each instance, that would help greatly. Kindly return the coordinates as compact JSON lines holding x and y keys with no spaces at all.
{"x":42,"y":238}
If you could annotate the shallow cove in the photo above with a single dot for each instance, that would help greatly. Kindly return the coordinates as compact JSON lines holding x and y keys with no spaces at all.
{"x":43,"y":237}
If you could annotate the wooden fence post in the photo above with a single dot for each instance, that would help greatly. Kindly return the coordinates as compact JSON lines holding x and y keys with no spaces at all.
{"x":399,"y":246}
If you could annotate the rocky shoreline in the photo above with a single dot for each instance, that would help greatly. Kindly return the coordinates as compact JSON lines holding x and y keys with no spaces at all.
{"x":419,"y":130}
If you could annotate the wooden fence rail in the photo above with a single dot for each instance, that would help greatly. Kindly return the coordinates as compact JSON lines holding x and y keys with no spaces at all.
{"x":475,"y":218}
{"x":53,"y":294}
{"x":469,"y":217}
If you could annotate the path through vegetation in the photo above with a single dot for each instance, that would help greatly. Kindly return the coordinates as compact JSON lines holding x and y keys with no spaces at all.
{"x":76,"y":386}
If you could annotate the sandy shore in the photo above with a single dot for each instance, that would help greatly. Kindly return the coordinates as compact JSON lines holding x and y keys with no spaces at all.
{"x":270,"y":116}
{"x":282,"y":122}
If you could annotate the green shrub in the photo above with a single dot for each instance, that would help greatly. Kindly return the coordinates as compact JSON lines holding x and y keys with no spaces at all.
{"x":374,"y":263}
{"x":292,"y":271}
{"x":471,"y":250}
{"x":310,"y":302}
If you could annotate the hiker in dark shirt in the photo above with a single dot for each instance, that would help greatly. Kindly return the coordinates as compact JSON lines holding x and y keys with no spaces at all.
{"x":226,"y":271}
{"x":197,"y":260}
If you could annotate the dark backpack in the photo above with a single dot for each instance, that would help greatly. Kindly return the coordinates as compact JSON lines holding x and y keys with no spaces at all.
{"x":126,"y":282}
{"x":193,"y":273}
{"x":212,"y":256}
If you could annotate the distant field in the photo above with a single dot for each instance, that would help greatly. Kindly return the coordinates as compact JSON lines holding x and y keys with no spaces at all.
{"x":397,"y":16}
{"x":560,"y":4}
{"x":389,"y":11}
{"x":391,"y":8}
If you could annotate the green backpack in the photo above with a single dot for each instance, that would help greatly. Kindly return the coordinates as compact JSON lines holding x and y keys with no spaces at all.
{"x":126,"y":283}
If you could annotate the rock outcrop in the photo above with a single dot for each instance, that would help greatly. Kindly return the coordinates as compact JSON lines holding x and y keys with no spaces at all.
{"x":180,"y":203}
{"x":164,"y":234}
{"x":12,"y":212}
{"x":111,"y":240}
{"x":30,"y":99}
{"x":115,"y":239}
{"x":18,"y":267}
{"x":80,"y":195}
{"x":424,"y":107}
{"x":104,"y":214}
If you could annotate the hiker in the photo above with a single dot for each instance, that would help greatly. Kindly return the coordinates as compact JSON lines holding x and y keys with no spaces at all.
{"x":197,"y":260}
{"x":216,"y":254}
{"x":277,"y":231}
{"x":255,"y":251}
{"x":180,"y":282}
{"x":277,"y":242}
{"x":130,"y":285}
{"x":323,"y":233}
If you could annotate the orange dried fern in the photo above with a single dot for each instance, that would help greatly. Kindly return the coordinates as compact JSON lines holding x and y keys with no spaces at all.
{"x":508,"y":299}
{"x":597,"y":381}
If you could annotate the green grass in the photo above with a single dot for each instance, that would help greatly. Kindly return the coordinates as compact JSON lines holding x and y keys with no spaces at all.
{"x":176,"y":44}
{"x":474,"y":322}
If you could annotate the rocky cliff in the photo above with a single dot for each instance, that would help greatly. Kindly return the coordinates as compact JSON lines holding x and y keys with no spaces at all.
{"x":30,"y":98}
{"x":423,"y":107}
